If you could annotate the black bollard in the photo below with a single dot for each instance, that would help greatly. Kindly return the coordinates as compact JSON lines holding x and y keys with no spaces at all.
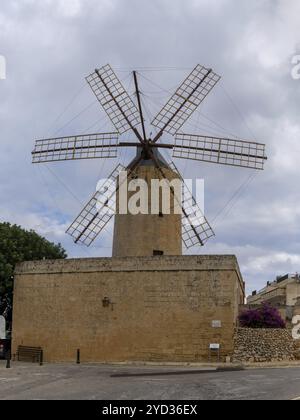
{"x":42,"y":358}
{"x":78,"y":357}
{"x":8,"y":360}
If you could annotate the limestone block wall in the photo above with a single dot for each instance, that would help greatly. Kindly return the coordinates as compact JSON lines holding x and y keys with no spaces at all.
{"x":142,"y":234}
{"x":292,"y":293}
{"x":127,"y":309}
{"x":263,"y":345}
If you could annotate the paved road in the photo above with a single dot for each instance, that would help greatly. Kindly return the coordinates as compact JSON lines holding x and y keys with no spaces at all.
{"x":94,"y":382}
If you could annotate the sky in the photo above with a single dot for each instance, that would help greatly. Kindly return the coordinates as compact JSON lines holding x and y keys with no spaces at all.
{"x":50,"y":47}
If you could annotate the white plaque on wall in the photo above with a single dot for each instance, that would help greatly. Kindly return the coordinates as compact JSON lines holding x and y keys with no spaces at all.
{"x":214,"y":346}
{"x":216,"y":324}
{"x":2,"y":328}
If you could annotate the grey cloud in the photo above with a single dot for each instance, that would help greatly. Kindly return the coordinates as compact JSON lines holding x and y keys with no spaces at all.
{"x":51,"y":45}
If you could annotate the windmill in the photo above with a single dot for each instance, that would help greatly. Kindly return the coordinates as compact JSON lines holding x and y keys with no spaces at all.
{"x":133,"y":232}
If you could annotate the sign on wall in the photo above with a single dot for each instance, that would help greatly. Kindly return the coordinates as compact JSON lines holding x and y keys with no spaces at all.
{"x":214,"y":346}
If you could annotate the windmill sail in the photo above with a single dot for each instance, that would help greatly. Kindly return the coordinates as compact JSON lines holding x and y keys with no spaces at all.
{"x":196,"y":230}
{"x":125,"y":116}
{"x":90,"y":146}
{"x":185,"y":100}
{"x":114,"y":99}
{"x":97,"y":212}
{"x":224,"y":151}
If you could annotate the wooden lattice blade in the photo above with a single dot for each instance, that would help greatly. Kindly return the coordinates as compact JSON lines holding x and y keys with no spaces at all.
{"x":97,"y":213}
{"x":114,"y":99}
{"x":224,"y":151}
{"x":90,"y":146}
{"x":185,"y":100}
{"x":196,"y":230}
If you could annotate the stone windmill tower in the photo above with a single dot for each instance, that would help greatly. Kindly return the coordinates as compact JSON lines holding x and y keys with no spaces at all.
{"x":149,"y":233}
{"x":156,"y":232}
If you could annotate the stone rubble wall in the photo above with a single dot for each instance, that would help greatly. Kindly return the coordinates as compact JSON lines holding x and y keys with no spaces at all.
{"x":263,"y":345}
{"x":297,"y":351}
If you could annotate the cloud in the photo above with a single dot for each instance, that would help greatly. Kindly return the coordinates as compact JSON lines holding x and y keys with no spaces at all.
{"x":46,"y":226}
{"x":51,"y":46}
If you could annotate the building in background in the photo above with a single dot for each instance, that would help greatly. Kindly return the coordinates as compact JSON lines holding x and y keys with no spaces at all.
{"x":283,"y":293}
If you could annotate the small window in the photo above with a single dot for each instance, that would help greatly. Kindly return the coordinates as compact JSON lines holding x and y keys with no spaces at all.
{"x":157,"y":253}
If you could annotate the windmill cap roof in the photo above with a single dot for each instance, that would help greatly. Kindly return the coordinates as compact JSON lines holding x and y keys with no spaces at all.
{"x":149,"y":162}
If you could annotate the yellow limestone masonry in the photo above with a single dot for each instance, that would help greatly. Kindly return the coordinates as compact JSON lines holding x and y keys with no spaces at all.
{"x":128,"y":309}
{"x":139,"y":235}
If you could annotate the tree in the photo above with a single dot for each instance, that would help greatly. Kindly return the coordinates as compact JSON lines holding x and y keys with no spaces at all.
{"x":18,"y":245}
{"x":264,"y":317}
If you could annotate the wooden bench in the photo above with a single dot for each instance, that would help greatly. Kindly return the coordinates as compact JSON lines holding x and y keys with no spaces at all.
{"x":30,"y":354}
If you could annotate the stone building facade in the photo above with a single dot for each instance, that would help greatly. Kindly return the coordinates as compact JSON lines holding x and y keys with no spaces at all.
{"x":283,"y":293}
{"x":285,"y":290}
{"x":162,"y":309}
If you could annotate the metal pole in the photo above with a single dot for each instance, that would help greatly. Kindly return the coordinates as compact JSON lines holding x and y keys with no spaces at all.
{"x":136,"y":132}
{"x":139,"y":104}
{"x":78,"y":357}
{"x":42,"y":358}
{"x":8,"y":360}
